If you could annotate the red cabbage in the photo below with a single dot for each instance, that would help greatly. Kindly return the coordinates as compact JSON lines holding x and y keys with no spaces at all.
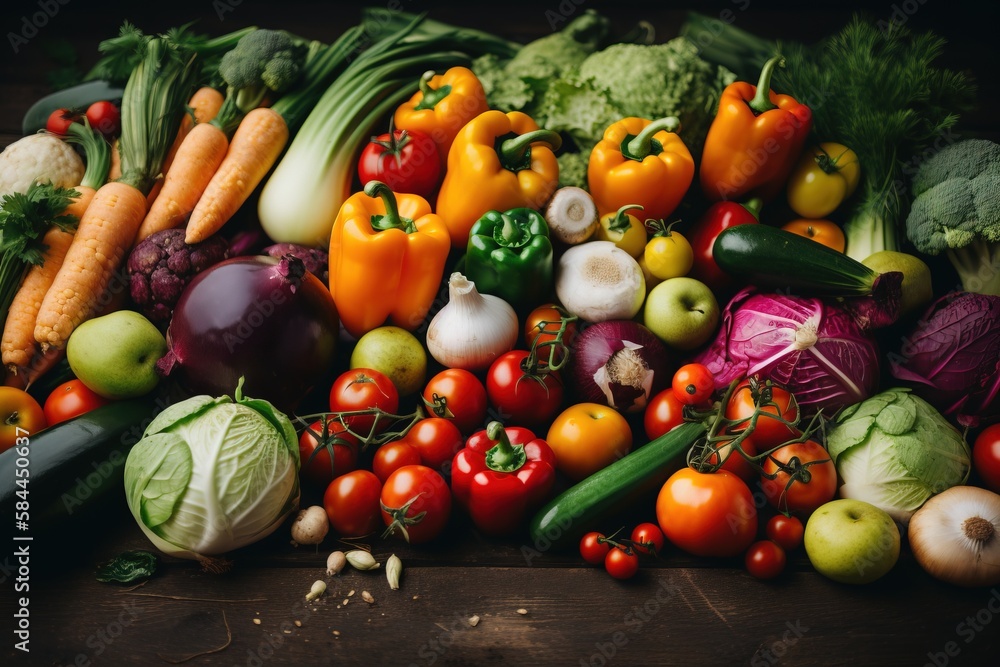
{"x":951,"y":359}
{"x":812,"y":347}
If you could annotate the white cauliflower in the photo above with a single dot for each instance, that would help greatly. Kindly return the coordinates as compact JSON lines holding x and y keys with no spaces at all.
{"x":39,"y":157}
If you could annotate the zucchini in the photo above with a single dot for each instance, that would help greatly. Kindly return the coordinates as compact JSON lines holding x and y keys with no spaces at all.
{"x":79,"y":96}
{"x":576,"y":510}
{"x":73,"y":464}
{"x":770,"y":257}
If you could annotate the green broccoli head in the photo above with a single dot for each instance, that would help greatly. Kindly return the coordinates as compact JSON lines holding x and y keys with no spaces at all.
{"x":262,"y":61}
{"x":963,"y":159}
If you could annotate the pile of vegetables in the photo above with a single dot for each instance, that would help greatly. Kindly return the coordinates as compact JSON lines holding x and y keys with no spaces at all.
{"x":483,"y":268}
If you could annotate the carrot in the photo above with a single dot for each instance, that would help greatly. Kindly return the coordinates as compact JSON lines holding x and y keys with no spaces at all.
{"x":115,"y":171}
{"x":195,"y":164}
{"x":102,"y":238}
{"x":256,"y":145}
{"x":204,"y":104}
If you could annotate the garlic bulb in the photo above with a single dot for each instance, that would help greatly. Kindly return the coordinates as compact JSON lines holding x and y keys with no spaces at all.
{"x":472,"y":329}
{"x":955,"y":536}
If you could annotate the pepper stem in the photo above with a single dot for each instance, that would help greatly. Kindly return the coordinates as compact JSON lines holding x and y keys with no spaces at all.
{"x":642,"y":145}
{"x":761,"y":101}
{"x":620,"y":221}
{"x":753,"y":206}
{"x":391,"y":218}
{"x":508,"y":231}
{"x":515,"y":153}
{"x":431,"y":96}
{"x":503,"y":457}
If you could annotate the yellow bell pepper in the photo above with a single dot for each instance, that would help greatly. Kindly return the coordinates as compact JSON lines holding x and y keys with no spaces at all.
{"x":497,"y":162}
{"x":442,"y":106}
{"x":387,"y":258}
{"x":642,"y":162}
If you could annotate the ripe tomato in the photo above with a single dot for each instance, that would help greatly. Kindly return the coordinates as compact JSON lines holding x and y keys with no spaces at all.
{"x":60,"y":120}
{"x":69,"y":400}
{"x":416,"y":503}
{"x":735,"y":462}
{"x":663,"y":412}
{"x":765,"y":559}
{"x":436,"y":440}
{"x":405,"y":160}
{"x":458,"y":395}
{"x":773,"y":400}
{"x":821,"y":231}
{"x":668,"y":256}
{"x":707,"y":514}
{"x":20,"y":416}
{"x":592,"y":549}
{"x":315,"y":446}
{"x":785,"y":531}
{"x":521,"y":399}
{"x":648,"y":538}
{"x":811,"y":485}
{"x":392,"y":456}
{"x":351,"y":501}
{"x":824,"y":177}
{"x":986,"y":457}
{"x":586,"y":437}
{"x":544,"y":323}
{"x":105,"y":118}
{"x":362,"y":389}
{"x":621,"y":563}
{"x":693,"y":384}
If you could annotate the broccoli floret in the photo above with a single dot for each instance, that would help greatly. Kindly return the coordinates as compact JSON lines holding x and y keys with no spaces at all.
{"x":262,"y":61}
{"x":573,"y":169}
{"x":956,"y":210}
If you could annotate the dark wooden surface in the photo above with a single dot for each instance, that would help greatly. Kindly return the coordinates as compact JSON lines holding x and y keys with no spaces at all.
{"x":678,"y":610}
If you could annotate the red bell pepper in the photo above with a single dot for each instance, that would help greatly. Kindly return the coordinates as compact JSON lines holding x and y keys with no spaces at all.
{"x":719,"y":216}
{"x":500,"y":475}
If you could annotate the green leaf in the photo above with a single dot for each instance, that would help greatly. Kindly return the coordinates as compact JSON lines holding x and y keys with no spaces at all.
{"x":128,"y":566}
{"x":157,"y":474}
{"x":848,"y":434}
{"x":898,"y":418}
{"x":183,"y":411}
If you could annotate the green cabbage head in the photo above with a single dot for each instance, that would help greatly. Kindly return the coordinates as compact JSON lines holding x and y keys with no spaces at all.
{"x":210,"y":475}
{"x":895,"y":450}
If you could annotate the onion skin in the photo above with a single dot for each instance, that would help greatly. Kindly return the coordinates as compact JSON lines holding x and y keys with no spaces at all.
{"x":259,"y":317}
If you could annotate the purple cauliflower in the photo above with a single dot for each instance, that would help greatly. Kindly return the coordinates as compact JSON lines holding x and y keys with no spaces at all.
{"x":161,"y":266}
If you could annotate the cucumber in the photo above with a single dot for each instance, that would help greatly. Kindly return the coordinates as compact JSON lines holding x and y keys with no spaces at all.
{"x":771,"y":257}
{"x":576,"y":510}
{"x":79,"y":96}
{"x":72,"y":465}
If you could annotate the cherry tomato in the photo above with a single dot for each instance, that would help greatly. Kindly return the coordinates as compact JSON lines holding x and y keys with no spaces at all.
{"x":543,"y":323}
{"x":69,"y":400}
{"x":648,"y":538}
{"x":392,"y":456}
{"x":824,"y":177}
{"x":986,"y":457}
{"x":416,"y":503}
{"x":436,"y":440}
{"x":362,"y":389}
{"x":663,"y":412}
{"x":458,"y":395}
{"x":735,"y":462}
{"x":405,"y":160}
{"x":351,"y":501}
{"x":812,"y":484}
{"x":518,"y":398}
{"x":315,"y":447}
{"x":785,"y":531}
{"x":765,"y":559}
{"x":586,"y":437}
{"x":707,"y":514}
{"x":821,"y":231}
{"x":773,"y":400}
{"x":668,"y":256}
{"x":20,"y":416}
{"x":60,"y":120}
{"x":624,"y":230}
{"x":621,"y":563}
{"x":592,"y":549}
{"x":719,"y":216}
{"x":693,"y":384}
{"x":104,"y":117}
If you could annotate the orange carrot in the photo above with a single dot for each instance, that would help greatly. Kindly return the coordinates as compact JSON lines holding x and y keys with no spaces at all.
{"x":195,"y":164}
{"x":256,"y":145}
{"x":204,"y":104}
{"x":115,"y":171}
{"x":102,"y":238}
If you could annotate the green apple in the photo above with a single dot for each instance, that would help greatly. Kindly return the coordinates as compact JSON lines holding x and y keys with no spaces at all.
{"x":851,"y":541}
{"x":916,"y":290}
{"x":115,"y":355}
{"x":395,"y":352}
{"x":682,"y":312}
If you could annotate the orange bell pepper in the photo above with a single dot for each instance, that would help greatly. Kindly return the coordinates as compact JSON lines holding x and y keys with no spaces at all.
{"x":755,"y":140}
{"x":387,"y":258}
{"x":643,"y":163}
{"x":497,"y":162}
{"x":442,"y":106}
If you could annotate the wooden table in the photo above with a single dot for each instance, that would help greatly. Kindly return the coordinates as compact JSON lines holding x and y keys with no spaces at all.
{"x":534,"y":607}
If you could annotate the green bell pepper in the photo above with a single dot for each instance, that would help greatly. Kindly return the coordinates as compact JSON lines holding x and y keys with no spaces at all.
{"x":510,"y":256}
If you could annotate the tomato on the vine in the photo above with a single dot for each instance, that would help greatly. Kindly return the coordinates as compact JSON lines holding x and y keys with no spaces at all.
{"x":774,"y":402}
{"x":60,"y":120}
{"x":986,"y":457}
{"x":316,"y":445}
{"x":544,"y":323}
{"x":351,"y":502}
{"x":799,"y":477}
{"x":458,"y":395}
{"x":621,"y":563}
{"x":104,"y":117}
{"x":436,"y":440}
{"x":693,"y":384}
{"x":405,"y":160}
{"x":648,"y":538}
{"x":733,"y":461}
{"x":518,"y":397}
{"x":663,"y":413}
{"x":416,"y":503}
{"x":765,"y":559}
{"x":785,"y":531}
{"x":363,"y":389}
{"x":593,"y":548}
{"x":69,"y":400}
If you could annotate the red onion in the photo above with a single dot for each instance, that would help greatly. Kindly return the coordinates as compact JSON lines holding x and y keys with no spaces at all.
{"x":619,"y":363}
{"x":259,"y":317}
